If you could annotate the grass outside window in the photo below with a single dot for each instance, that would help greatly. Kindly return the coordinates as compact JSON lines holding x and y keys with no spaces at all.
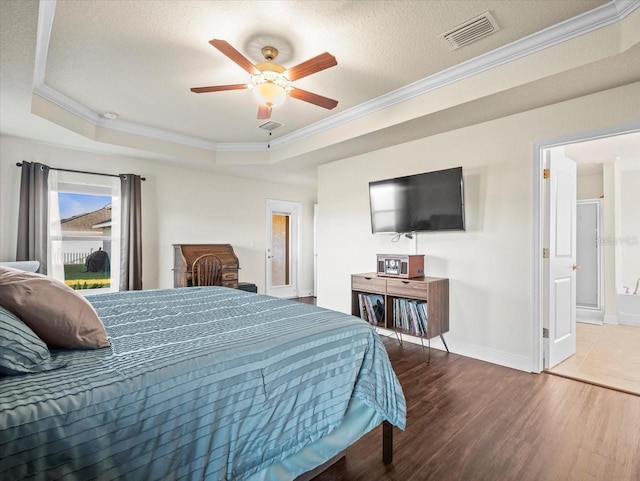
{"x":77,"y":277}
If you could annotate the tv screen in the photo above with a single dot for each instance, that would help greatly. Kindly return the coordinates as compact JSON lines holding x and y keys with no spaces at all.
{"x":432,"y":201}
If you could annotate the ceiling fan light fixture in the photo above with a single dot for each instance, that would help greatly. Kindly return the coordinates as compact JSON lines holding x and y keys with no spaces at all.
{"x":271,"y":82}
{"x":270,"y":88}
{"x":269,"y":94}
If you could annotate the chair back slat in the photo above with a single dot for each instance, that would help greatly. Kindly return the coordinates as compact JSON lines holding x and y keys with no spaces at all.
{"x":206,"y":271}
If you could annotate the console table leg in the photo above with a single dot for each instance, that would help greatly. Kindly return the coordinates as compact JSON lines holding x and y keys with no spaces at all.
{"x":445,"y":344}
{"x":387,"y":442}
{"x":398,"y":337}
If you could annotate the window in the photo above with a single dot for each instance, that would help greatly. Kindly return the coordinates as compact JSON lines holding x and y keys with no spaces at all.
{"x":84,"y":231}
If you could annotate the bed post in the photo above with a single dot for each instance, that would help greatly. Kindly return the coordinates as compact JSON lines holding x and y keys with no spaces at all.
{"x":387,"y":442}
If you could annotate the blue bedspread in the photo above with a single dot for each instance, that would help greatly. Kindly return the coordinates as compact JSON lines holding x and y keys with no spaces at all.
{"x":199,"y":383}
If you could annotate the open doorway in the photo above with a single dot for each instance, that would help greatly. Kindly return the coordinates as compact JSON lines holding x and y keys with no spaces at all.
{"x":282,"y":248}
{"x":606,"y":354}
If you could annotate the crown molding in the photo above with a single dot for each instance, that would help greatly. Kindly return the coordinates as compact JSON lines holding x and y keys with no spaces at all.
{"x":625,"y":7}
{"x":607,"y":14}
{"x":243,"y":146}
{"x":597,"y":18}
{"x":46,"y":12}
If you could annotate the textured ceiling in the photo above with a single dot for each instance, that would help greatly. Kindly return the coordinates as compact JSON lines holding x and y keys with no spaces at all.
{"x":140,"y":57}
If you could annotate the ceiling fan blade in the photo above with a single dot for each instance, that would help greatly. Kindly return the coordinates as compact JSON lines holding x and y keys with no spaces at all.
{"x":233,"y":54}
{"x":313,"y":65}
{"x":264,"y":112}
{"x":218,"y":88}
{"x":312,"y":98}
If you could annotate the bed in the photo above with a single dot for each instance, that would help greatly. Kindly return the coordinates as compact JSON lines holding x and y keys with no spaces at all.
{"x":200,"y":383}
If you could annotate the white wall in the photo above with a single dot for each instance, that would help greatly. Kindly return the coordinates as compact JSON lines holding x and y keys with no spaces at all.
{"x":628,"y":228}
{"x":179,"y":206}
{"x":609,"y":214}
{"x":590,"y":186}
{"x":490,"y":266}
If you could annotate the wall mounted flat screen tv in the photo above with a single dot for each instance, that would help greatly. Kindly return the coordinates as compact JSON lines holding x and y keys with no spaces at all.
{"x":432,"y":201}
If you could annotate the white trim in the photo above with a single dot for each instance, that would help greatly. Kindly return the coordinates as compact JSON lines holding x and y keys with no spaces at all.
{"x":586,"y":320}
{"x":589,"y":316}
{"x":294,"y":210}
{"x":537,"y":185}
{"x":602,"y":16}
{"x":242,"y":147}
{"x":67,"y":103}
{"x":537,"y":348}
{"x":315,"y":250}
{"x":46,"y":12}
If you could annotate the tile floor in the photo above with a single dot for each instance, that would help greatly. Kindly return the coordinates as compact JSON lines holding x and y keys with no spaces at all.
{"x":607,"y":355}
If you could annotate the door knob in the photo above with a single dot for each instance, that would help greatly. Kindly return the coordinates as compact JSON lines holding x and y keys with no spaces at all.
{"x":575,"y":267}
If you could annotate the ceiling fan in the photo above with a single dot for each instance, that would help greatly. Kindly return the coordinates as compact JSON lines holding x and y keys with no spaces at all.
{"x":271,"y":82}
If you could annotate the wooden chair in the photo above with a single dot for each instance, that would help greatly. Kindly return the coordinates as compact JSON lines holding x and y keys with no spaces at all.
{"x":206,"y":271}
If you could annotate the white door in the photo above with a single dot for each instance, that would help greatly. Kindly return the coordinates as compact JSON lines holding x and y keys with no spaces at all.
{"x":560,"y":315}
{"x":282,"y":248}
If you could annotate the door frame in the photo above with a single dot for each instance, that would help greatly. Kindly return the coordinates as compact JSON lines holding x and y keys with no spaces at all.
{"x":294,"y":209}
{"x":537,"y":193}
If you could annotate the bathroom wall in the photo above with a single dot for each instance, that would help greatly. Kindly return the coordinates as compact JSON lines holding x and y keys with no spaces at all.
{"x":590,"y":186}
{"x":610,"y":292}
{"x":628,"y":224}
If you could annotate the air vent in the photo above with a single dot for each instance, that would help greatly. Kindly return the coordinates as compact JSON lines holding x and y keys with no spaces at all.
{"x":470,"y":31}
{"x":270,"y":126}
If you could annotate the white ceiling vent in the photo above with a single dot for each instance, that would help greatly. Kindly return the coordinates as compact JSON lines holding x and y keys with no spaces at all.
{"x":270,"y":126}
{"x":470,"y":31}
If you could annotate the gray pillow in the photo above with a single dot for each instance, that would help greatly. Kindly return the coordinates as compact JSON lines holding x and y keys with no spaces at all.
{"x":21,"y":351}
{"x":56,"y":313}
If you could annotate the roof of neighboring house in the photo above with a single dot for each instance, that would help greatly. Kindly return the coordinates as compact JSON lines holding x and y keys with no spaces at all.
{"x":104,"y":223}
{"x":87,"y":221}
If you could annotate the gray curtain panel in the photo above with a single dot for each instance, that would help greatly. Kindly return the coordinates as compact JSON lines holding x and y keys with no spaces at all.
{"x":33,"y":214}
{"x":131,"y":236}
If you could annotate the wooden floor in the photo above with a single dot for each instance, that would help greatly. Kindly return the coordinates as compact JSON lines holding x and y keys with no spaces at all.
{"x":607,"y":355}
{"x":305,"y":300}
{"x":474,"y":421}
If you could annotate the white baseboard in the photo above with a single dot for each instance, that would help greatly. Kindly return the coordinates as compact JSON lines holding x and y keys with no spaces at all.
{"x":610,"y":319}
{"x":305,"y":293}
{"x":586,"y":320}
{"x":589,"y":316}
{"x":513,"y":361}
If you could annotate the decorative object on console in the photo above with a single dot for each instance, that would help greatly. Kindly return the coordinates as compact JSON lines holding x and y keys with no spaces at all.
{"x":398,"y":265}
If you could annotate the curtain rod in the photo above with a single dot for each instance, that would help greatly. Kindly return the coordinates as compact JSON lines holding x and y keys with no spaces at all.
{"x":19,"y":164}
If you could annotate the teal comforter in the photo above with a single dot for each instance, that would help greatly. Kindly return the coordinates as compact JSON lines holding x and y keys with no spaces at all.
{"x":199,"y":383}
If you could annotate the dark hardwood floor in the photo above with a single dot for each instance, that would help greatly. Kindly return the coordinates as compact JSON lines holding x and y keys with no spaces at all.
{"x":470,"y":421}
{"x":305,"y":300}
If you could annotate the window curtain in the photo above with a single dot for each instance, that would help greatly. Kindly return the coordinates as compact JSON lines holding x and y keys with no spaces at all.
{"x":33,"y":214}
{"x":131,"y":232}
{"x":55,"y":258}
